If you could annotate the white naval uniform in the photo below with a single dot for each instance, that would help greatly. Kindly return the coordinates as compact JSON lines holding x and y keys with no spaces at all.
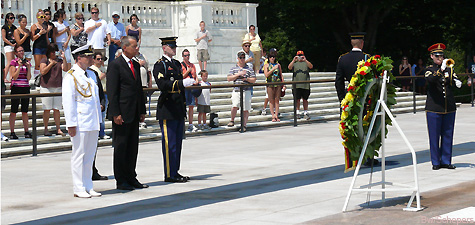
{"x":84,"y":113}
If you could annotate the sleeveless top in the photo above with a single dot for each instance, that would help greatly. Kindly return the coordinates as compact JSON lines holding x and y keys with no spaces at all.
{"x":9,"y":33}
{"x":26,"y":44}
{"x":275,"y":77}
{"x":22,"y":80}
{"x":41,"y":42}
{"x":134,"y":33}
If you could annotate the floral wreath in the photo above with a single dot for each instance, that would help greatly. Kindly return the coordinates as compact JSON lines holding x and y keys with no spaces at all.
{"x":358,"y":107}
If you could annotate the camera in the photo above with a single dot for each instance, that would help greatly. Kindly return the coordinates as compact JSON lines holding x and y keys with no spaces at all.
{"x":24,"y":61}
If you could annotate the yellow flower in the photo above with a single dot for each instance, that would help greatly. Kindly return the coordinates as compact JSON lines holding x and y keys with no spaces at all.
{"x":344,"y":102}
{"x":361,"y":63}
{"x":364,"y":68}
{"x":353,"y":81}
{"x":344,"y":115}
{"x":349,"y":97}
{"x":344,"y":144}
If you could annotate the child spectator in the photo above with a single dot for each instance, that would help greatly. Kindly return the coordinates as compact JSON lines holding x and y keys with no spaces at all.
{"x":203,"y":37}
{"x":204,"y":102}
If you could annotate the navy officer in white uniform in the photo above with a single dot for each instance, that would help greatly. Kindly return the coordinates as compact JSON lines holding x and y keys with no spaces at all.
{"x":82,"y":111}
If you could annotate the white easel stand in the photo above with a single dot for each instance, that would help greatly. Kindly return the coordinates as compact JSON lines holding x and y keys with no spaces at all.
{"x":403,"y":187}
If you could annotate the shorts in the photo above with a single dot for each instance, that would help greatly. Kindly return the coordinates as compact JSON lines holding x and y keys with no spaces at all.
{"x":235,"y":98}
{"x":54,"y":102}
{"x":39,"y":51}
{"x":203,"y":55}
{"x":28,"y":55}
{"x":204,"y":108}
{"x":9,"y":48}
{"x":25,"y":102}
{"x":190,"y":99}
{"x":301,"y":93}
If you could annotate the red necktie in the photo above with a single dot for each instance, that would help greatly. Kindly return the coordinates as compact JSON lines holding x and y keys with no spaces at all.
{"x":132,"y":68}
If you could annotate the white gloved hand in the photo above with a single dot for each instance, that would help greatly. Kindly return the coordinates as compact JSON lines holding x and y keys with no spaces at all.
{"x":188,"y":82}
{"x":458,"y":83}
{"x":444,"y":65}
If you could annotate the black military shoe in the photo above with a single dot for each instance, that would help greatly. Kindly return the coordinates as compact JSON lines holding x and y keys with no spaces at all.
{"x":184,"y":177}
{"x":99,"y":177}
{"x":125,"y":186}
{"x":435,"y":167}
{"x":448,"y":166}
{"x":175,"y":179}
{"x":138,"y":185}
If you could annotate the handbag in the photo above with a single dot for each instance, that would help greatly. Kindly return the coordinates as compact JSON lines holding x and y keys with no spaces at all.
{"x":37,"y":82}
{"x":282,"y":93}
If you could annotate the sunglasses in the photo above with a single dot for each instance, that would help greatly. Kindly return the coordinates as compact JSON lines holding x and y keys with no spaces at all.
{"x":80,"y":18}
{"x":186,"y":55}
{"x":41,"y":17}
{"x":439,"y":56}
{"x":20,"y":51}
{"x":247,"y":46}
{"x":100,"y":59}
{"x":10,"y":18}
{"x":47,"y":14}
{"x":242,"y":57}
{"x":271,"y":57}
{"x":94,"y":12}
{"x":115,"y":17}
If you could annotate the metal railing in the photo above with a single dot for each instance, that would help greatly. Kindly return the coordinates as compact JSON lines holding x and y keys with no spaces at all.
{"x":241,"y":86}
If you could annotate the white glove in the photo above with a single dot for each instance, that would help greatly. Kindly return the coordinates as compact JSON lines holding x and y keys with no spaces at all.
{"x":458,"y":83}
{"x":444,"y":64}
{"x":188,"y":82}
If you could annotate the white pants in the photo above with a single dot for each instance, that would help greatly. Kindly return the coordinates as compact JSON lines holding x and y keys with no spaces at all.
{"x":84,"y":149}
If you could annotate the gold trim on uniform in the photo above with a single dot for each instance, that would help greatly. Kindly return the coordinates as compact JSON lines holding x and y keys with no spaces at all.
{"x":83,"y":89}
{"x":167,"y":158}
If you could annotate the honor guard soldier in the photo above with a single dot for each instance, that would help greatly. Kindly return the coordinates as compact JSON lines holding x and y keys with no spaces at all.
{"x":82,"y":111}
{"x":347,"y":63}
{"x":171,"y":111}
{"x":440,"y":107}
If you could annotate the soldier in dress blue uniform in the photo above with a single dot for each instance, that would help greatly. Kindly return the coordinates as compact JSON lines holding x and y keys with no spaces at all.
{"x":440,"y":107}
{"x":348,"y":62}
{"x":171,"y":110}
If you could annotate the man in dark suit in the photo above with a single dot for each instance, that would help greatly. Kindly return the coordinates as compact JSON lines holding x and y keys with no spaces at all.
{"x":126,"y":109}
{"x":348,"y":62}
{"x":171,"y":110}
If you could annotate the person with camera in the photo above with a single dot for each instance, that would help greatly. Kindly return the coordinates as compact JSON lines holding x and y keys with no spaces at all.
{"x":440,"y":107}
{"x":20,"y":71}
{"x":273,"y":73}
{"x":301,"y":67}
{"x":405,"y":70}
{"x":51,"y":69}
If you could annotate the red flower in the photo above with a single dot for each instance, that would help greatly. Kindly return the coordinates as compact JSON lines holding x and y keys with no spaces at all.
{"x":377,"y":56}
{"x":367,"y":64}
{"x":351,"y":88}
{"x":369,"y":102}
{"x":344,"y":107}
{"x":343,"y":125}
{"x":374,"y":62}
{"x":363,"y":73}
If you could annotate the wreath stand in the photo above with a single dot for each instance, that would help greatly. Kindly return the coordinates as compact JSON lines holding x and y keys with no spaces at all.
{"x":381,"y":110}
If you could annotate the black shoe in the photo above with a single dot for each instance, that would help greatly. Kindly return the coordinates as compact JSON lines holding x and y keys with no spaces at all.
{"x":99,"y":177}
{"x":448,"y":166}
{"x":138,"y":185}
{"x":13,"y":136}
{"x":184,"y":177}
{"x":175,"y":179}
{"x":435,"y":167}
{"x":27,"y":134}
{"x":125,"y":186}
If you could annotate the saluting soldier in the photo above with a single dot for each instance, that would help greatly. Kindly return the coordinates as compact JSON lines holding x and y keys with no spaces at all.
{"x":82,"y":111}
{"x":347,"y":63}
{"x":171,"y":111}
{"x":440,"y":107}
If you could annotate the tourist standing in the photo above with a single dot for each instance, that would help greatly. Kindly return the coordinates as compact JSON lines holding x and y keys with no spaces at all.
{"x":50,"y":26}
{"x":40,"y":40}
{"x":78,"y":32}
{"x":241,"y":74}
{"x":116,"y":31}
{"x":126,"y":110}
{"x":204,"y":101}
{"x":96,"y":30}
{"x":471,"y":69}
{"x":20,"y":70}
{"x":189,"y":71}
{"x":51,"y":70}
{"x":273,"y":73}
{"x":420,"y":82}
{"x":171,"y":110}
{"x":301,"y":67}
{"x":82,"y":112}
{"x":134,"y":30}
{"x":146,"y":77}
{"x":203,"y":37}
{"x":405,"y":70}
{"x":23,"y":36}
{"x":62,"y":34}
{"x":98,"y":67}
{"x":9,"y":40}
{"x":256,"y":46}
{"x":440,"y":107}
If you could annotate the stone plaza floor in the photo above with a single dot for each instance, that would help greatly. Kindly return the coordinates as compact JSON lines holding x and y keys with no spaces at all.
{"x":282,"y":175}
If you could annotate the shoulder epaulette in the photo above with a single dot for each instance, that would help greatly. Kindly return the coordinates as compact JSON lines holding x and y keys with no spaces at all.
{"x":342,"y":55}
{"x":71,"y":71}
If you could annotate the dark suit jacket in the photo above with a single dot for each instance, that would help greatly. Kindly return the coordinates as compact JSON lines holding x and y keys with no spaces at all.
{"x":125,"y":93}
{"x":347,"y":64}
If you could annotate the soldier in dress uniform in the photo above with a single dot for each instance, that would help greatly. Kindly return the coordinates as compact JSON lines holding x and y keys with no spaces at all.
{"x":171,"y":111}
{"x":440,"y":107}
{"x":82,"y":111}
{"x":347,"y":63}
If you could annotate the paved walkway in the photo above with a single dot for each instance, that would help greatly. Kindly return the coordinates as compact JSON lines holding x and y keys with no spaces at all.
{"x":283,"y":175}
